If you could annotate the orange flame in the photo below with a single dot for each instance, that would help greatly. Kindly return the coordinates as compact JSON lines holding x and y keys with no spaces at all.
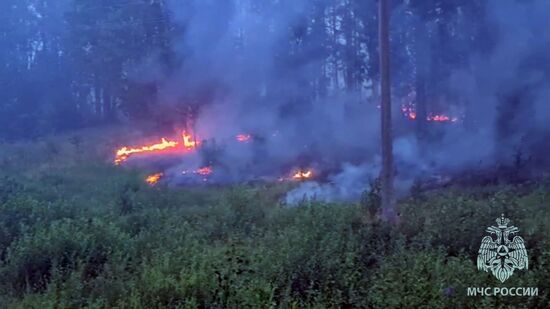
{"x":154,"y":179}
{"x":125,"y":152}
{"x":188,"y":140}
{"x":243,"y":138}
{"x":188,"y":143}
{"x":302,"y":175}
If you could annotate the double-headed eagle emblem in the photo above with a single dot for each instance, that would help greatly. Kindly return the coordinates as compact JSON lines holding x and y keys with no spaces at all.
{"x":500,"y":255}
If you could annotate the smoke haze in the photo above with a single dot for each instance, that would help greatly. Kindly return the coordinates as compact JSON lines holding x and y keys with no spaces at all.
{"x":301,"y":77}
{"x":233,"y":51}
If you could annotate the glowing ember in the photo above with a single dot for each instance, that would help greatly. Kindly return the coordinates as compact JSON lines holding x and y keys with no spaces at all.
{"x":204,"y":171}
{"x":302,"y":175}
{"x":410,"y":112}
{"x":442,"y":118}
{"x":243,"y":138}
{"x":154,"y":179}
{"x":165,"y":145}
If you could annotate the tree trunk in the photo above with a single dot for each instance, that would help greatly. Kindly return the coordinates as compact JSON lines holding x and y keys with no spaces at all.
{"x":421,"y":109}
{"x":423,"y":64}
{"x":108,"y":112}
{"x":97,"y":97}
{"x":389,"y":213}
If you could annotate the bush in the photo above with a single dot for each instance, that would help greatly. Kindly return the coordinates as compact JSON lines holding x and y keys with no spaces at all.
{"x":457,"y":220}
{"x":60,"y":247}
{"x":431,"y":279}
{"x":95,"y":236}
{"x":22,"y":212}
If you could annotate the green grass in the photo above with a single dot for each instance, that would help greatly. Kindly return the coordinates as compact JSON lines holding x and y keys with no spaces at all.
{"x":87,"y":234}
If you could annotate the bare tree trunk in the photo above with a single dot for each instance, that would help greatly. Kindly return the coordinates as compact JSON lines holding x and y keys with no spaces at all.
{"x":108,"y":113}
{"x":421,"y":110}
{"x":389,"y":213}
{"x":97,"y":97}
{"x":423,"y":63}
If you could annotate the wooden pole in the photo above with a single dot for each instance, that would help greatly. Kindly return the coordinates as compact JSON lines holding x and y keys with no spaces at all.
{"x":388,"y":205}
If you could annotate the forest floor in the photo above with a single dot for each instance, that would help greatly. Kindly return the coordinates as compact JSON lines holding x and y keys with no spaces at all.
{"x":76,"y":231}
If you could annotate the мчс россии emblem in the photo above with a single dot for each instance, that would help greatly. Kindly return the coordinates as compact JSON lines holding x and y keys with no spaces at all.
{"x":500,"y":255}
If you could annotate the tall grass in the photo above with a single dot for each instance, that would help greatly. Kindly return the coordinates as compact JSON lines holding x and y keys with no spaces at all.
{"x":91,"y":235}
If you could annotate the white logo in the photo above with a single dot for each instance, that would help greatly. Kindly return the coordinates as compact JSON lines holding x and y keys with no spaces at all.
{"x":500,"y":255}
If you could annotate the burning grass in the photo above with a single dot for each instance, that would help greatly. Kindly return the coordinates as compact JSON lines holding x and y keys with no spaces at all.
{"x":153,"y":179}
{"x":303,"y":174}
{"x":94,"y":234}
{"x":187,"y":144}
{"x":409,"y":111}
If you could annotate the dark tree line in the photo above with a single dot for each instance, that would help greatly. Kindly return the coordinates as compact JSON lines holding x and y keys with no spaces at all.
{"x":73,"y":63}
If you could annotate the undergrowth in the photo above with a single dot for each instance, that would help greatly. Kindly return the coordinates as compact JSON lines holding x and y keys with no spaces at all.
{"x":92,"y":235}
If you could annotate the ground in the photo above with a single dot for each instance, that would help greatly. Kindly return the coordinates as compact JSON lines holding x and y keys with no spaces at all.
{"x":76,"y":231}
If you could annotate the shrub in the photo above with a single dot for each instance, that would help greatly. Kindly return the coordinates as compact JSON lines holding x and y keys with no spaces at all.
{"x":95,"y":236}
{"x":431,"y":279}
{"x":22,"y":212}
{"x":61,"y":246}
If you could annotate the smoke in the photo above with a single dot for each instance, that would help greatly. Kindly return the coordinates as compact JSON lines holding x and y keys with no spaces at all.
{"x":250,"y":70}
{"x":499,"y":81}
{"x":506,"y":89}
{"x":348,"y":185}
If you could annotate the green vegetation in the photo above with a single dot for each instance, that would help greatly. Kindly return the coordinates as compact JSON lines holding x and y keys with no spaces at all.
{"x":93,"y":235}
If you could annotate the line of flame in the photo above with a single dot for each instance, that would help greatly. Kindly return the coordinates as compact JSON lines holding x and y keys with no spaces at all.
{"x":124,"y":153}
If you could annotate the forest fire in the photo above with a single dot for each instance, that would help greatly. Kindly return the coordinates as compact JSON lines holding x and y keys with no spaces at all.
{"x":410,"y":113}
{"x":204,"y":171}
{"x":243,"y":138}
{"x":187,"y":144}
{"x":442,"y":118}
{"x":154,"y":179}
{"x":163,"y":147}
{"x":189,"y":141}
{"x":125,"y":152}
{"x":302,"y":175}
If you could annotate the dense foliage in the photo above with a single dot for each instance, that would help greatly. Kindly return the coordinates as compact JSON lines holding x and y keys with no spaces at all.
{"x":76,"y":231}
{"x":74,"y":63}
{"x":79,"y":233}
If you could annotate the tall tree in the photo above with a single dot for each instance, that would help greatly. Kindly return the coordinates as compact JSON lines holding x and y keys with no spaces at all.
{"x":388,"y":204}
{"x":106,"y":44}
